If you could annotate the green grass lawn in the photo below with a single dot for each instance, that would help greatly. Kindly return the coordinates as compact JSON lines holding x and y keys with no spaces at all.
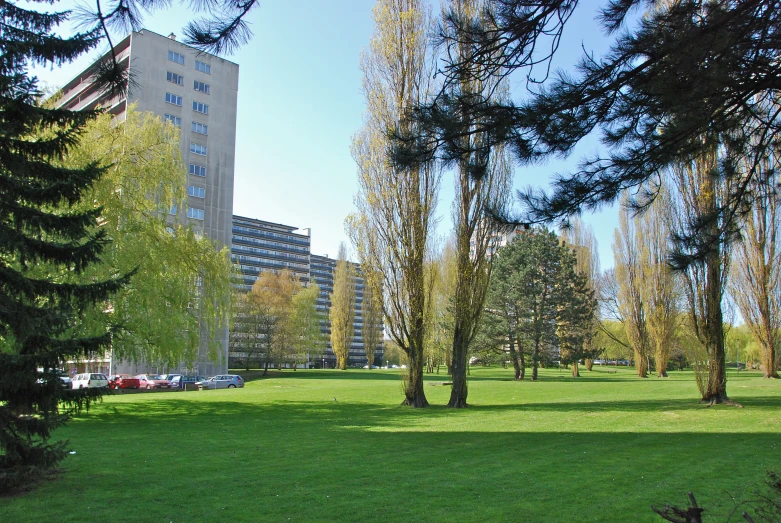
{"x":336,"y":446}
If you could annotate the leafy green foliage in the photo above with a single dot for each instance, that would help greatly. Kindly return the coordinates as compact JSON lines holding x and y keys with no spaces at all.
{"x":538,"y":303}
{"x":181,"y":291}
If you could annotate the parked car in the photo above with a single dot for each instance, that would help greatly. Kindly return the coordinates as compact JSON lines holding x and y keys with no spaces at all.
{"x":599,"y":362}
{"x":123,"y":381}
{"x":224,"y":381}
{"x":89,"y":380}
{"x":179,"y":381}
{"x":151,"y":381}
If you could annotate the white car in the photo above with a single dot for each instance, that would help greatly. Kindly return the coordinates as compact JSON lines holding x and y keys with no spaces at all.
{"x":226,"y":381}
{"x":89,"y":381}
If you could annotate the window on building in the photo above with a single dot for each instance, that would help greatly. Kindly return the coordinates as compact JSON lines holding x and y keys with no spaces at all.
{"x":173,"y":99}
{"x":172,"y":210}
{"x":173,"y":119}
{"x":202,"y":67}
{"x":197,"y":170}
{"x":198,"y":107}
{"x":176,"y":57}
{"x":174,"y":78}
{"x":200,"y":86}
{"x":198,"y":192}
{"x":197,"y":148}
{"x":200,"y":128}
{"x":195,"y":214}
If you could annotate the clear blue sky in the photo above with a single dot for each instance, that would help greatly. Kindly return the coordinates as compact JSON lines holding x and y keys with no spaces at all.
{"x":300,"y":102}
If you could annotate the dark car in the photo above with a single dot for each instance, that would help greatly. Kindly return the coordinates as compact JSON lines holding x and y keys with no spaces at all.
{"x":180,"y":382}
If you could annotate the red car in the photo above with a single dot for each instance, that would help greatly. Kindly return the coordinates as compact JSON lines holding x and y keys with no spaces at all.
{"x":123,"y":381}
{"x":150,"y":381}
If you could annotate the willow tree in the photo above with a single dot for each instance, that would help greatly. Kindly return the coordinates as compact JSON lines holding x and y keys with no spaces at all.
{"x":391,"y":229}
{"x":659,"y":288}
{"x":701,"y":186}
{"x":181,"y":291}
{"x":756,"y":268}
{"x":342,"y":312}
{"x":629,"y":277}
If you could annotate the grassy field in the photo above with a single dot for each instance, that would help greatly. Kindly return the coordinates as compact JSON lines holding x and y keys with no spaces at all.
{"x":336,"y":446}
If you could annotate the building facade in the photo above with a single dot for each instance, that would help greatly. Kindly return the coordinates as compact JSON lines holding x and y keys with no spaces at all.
{"x":197,"y":92}
{"x":260,"y":246}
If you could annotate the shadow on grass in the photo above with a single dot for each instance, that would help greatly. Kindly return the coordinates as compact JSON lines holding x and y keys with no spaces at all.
{"x":338,"y":414}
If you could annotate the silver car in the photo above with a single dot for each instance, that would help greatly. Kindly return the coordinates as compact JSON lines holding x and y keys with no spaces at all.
{"x":223,"y":381}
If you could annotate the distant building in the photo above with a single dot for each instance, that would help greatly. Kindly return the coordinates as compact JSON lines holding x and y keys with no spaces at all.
{"x":197,"y":92}
{"x":267,"y":246}
{"x":260,"y":246}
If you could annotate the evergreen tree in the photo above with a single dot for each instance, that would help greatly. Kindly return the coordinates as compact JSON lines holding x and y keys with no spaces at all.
{"x":687,"y":76}
{"x":576,"y":307}
{"x":47,"y":240}
{"x":46,"y":243}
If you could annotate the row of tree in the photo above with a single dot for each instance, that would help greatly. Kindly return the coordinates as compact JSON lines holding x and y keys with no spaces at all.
{"x":671,"y":124}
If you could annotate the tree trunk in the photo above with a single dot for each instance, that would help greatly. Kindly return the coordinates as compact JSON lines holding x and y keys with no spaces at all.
{"x":459,"y":390}
{"x":589,"y":364}
{"x":523,"y":364}
{"x":514,"y":359}
{"x":662,"y":361}
{"x":414,"y":395}
{"x":641,"y":364}
{"x":716,"y":390}
{"x":535,"y":359}
{"x":769,"y":360}
{"x":575,"y":371}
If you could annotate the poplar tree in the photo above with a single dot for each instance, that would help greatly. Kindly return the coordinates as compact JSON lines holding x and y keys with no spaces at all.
{"x":392,"y":228}
{"x":371,"y":309}
{"x":342,"y":312}
{"x":629,"y":272}
{"x":755,"y":278}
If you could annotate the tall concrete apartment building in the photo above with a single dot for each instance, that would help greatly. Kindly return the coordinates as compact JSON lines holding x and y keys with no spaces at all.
{"x":266,"y":246}
{"x":260,"y":246}
{"x":197,"y":92}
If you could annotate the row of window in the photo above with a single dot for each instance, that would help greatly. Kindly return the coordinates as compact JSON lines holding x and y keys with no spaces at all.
{"x":179,"y":80}
{"x":268,"y":261}
{"x":173,"y":119}
{"x":192,"y":212}
{"x":174,"y":78}
{"x":197,"y":148}
{"x":171,"y":98}
{"x":202,"y":87}
{"x":196,"y":127}
{"x":271,"y":234}
{"x":197,"y":192}
{"x":272,"y":244}
{"x":197,"y":170}
{"x":199,"y":66}
{"x":270,"y":253}
{"x":177,"y":100}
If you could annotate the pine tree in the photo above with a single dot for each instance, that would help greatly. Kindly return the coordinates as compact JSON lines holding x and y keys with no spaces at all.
{"x":48,"y":240}
{"x":45,"y":244}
